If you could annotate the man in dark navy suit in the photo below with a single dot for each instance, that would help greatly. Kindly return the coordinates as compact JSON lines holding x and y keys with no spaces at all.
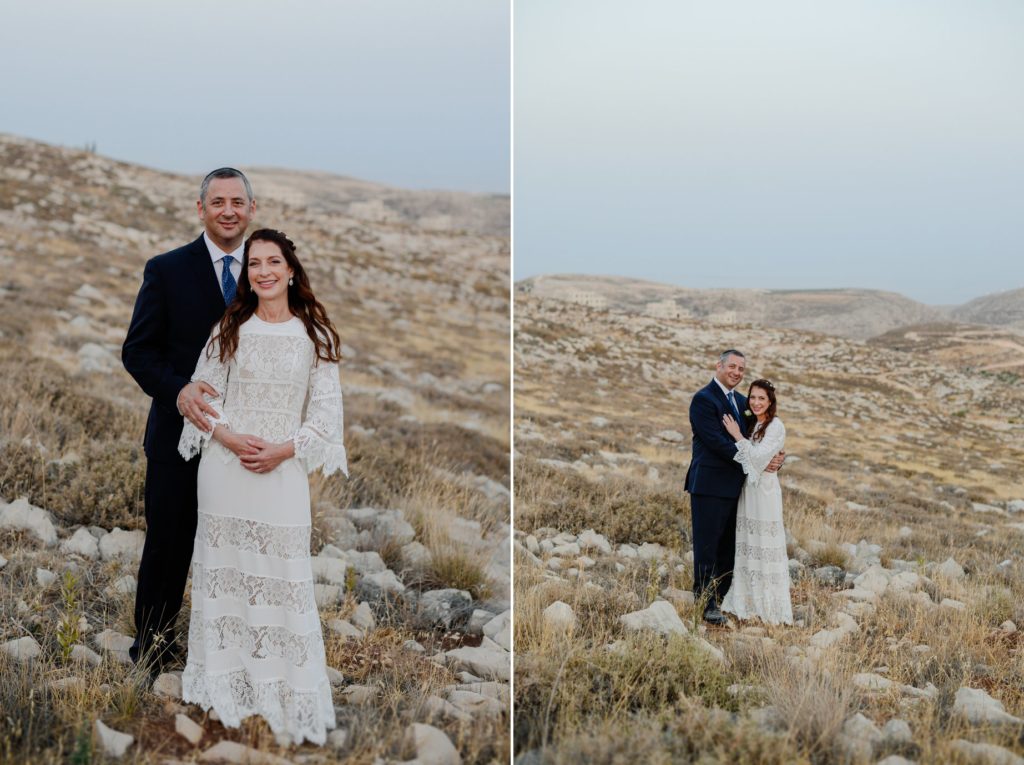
{"x":714,"y":481}
{"x":183,"y":294}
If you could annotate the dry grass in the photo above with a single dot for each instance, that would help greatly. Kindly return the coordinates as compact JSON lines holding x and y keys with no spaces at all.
{"x":70,"y":439}
{"x":881,"y":456}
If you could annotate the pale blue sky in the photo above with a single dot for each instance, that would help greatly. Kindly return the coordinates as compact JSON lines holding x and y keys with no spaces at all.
{"x":790,"y":144}
{"x":404,"y":92}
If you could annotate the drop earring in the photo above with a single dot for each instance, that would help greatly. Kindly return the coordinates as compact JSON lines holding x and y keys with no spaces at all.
{"x":291,"y":281}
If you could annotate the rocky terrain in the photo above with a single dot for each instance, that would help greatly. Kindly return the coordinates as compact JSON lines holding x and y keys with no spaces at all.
{"x":854,"y":313}
{"x":903,"y":496}
{"x":411,"y":553}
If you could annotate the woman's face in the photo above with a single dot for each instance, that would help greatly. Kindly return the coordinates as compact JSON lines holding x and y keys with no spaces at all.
{"x":758,"y":401}
{"x":269,"y":272}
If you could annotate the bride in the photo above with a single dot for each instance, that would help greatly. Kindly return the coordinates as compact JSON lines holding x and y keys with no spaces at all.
{"x":255,"y":644}
{"x":760,"y":583}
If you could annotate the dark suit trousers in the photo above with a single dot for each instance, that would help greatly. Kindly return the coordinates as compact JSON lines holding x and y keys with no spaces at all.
{"x":170,"y":538}
{"x":714,"y":545}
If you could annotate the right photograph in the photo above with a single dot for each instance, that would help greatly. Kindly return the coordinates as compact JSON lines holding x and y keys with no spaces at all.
{"x":768,"y":448}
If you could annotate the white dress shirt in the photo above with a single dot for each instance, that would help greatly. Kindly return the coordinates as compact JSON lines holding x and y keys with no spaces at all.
{"x":217,"y":255}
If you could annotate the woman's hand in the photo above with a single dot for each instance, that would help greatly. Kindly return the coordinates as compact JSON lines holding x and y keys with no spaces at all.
{"x":264,"y":456}
{"x":236,"y":442}
{"x":732,"y":427}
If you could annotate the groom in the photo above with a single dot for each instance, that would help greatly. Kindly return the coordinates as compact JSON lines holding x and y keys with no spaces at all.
{"x":714,"y":482}
{"x":183,"y":294}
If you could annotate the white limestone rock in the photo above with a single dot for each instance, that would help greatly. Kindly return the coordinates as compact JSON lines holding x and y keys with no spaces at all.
{"x":978,"y":708}
{"x":81,"y":543}
{"x":559,"y":617}
{"x":168,"y":685}
{"x":431,"y":745}
{"x":122,"y":545}
{"x":22,"y":649}
{"x":985,"y":754}
{"x":188,"y":729}
{"x":481,"y":661}
{"x":21,"y":515}
{"x":363,"y":617}
{"x":114,"y":743}
{"x":950,"y":569}
{"x":660,"y":617}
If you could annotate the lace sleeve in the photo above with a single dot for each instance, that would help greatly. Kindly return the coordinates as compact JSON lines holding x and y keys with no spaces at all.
{"x":319,"y":442}
{"x":209,"y":369}
{"x":754,"y":456}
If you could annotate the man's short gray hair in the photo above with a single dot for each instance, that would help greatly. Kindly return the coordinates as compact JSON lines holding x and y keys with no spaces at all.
{"x":731,"y":352}
{"x":224,"y":172}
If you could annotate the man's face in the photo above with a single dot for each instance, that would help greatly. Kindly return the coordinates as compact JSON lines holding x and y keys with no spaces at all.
{"x":226,"y":212}
{"x":730,"y":372}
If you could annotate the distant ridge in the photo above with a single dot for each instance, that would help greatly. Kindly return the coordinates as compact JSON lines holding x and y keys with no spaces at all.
{"x":852,"y":313}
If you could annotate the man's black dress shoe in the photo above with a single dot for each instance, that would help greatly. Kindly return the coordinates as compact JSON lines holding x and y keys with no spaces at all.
{"x":714,"y":616}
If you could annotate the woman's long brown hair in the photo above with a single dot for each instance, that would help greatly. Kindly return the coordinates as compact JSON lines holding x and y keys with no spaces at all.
{"x":769,"y":388}
{"x":301,"y":302}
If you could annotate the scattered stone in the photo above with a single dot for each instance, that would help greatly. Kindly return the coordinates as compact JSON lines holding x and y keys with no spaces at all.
{"x":712,"y":652}
{"x":897,"y":733}
{"x":21,"y":515}
{"x":335,"y":677}
{"x":477,"y":620}
{"x":85,"y":655}
{"x":330,"y":569}
{"x":416,"y":555}
{"x":955,"y":605}
{"x":233,"y":752}
{"x":985,"y":754}
{"x":188,"y":729}
{"x":977,"y":707}
{"x":68,"y":684}
{"x":45,"y":577}
{"x":168,"y":685}
{"x":481,"y":661}
{"x":327,"y":595}
{"x":875,"y":579}
{"x":113,"y":743}
{"x":895,"y":759}
{"x":344,"y":629}
{"x":110,"y":640}
{"x":869,"y":681}
{"x":660,"y":616}
{"x":1008,"y":627}
{"x":3,"y":561}
{"x":678,"y":598}
{"x":672,"y":436}
{"x":122,"y":545}
{"x":363,"y":617}
{"x":368,"y":562}
{"x":950,"y":569}
{"x":125,"y":585}
{"x":438,"y":707}
{"x":833,"y":576}
{"x":81,"y":543}
{"x":23,"y":649}
{"x":432,"y":746}
{"x":336,"y":738}
{"x":375,"y":585}
{"x":858,"y":738}
{"x":448,"y":608}
{"x":474,"y":703}
{"x":359,"y":695}
{"x":591,"y":540}
{"x":559,"y":617}
{"x":652,"y":551}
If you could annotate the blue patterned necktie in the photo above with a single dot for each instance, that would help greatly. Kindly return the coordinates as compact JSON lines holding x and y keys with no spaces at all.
{"x":732,"y":402}
{"x":227,"y":280}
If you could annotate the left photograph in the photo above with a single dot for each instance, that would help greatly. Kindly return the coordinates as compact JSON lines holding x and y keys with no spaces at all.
{"x":255,"y":401}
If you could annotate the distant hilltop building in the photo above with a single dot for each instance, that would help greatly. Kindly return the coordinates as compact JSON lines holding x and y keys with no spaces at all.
{"x":589,"y":299}
{"x":664,"y":309}
{"x":722,"y":317}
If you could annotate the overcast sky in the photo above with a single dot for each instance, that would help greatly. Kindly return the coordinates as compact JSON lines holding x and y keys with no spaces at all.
{"x":404,"y":92}
{"x":790,"y":144}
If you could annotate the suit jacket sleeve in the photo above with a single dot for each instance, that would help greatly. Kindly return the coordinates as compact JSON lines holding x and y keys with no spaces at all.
{"x":707,"y":426}
{"x":144,"y":349}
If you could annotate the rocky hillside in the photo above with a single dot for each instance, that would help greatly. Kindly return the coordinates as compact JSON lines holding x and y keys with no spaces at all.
{"x":1004,"y":309}
{"x":412,"y":552}
{"x":902,"y":497}
{"x":853,"y":313}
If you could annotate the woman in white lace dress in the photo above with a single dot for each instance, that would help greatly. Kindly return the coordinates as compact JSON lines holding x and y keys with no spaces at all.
{"x":760,"y":579}
{"x":255,"y":644}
